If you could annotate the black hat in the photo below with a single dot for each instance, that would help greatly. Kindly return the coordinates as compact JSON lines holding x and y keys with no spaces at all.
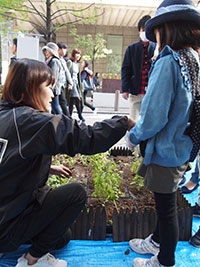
{"x":172,"y":10}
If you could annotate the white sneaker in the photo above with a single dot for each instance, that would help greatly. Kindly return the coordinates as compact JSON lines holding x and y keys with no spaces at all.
{"x":47,"y":260}
{"x":144,"y":246}
{"x":153,"y":262}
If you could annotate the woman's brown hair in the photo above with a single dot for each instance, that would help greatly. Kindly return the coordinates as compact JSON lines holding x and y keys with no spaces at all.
{"x":179,"y":35}
{"x":22,"y":85}
{"x":76,"y":51}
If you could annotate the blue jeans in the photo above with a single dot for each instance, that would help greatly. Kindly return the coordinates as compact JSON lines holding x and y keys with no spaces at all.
{"x":55,"y":105}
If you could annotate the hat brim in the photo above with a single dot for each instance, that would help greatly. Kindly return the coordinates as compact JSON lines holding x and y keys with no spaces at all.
{"x":50,"y":50}
{"x":189,"y":15}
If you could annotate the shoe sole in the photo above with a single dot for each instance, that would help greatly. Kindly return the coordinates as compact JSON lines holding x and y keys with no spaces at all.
{"x":197,"y":246}
{"x":139,"y":251}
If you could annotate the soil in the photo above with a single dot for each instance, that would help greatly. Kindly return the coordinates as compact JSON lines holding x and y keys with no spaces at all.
{"x":134,"y":197}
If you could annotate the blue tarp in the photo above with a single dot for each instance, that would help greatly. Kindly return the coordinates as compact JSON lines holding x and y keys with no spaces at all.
{"x":106,"y":253}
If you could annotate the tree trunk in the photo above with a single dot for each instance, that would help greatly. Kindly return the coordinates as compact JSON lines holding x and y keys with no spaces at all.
{"x":48,"y":21}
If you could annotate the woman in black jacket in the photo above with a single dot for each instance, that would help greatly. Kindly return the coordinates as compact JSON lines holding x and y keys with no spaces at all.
{"x":29,"y":136}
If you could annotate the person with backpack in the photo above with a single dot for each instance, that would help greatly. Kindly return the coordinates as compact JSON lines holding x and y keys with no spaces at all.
{"x":165,"y":122}
{"x":50,"y":51}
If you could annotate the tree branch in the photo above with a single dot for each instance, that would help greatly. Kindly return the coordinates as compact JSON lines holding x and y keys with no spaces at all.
{"x":68,"y":23}
{"x":29,"y":21}
{"x":20,"y":10}
{"x":82,"y":18}
{"x":37,"y":12}
{"x":72,"y":10}
{"x":52,"y":2}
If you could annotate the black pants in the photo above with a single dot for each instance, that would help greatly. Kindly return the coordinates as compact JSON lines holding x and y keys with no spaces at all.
{"x":167,"y":229}
{"x":86,"y":103}
{"x":77,"y":102}
{"x":63,"y":102}
{"x":47,"y":227}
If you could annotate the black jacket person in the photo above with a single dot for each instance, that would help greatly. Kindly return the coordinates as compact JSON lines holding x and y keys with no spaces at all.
{"x":29,"y":136}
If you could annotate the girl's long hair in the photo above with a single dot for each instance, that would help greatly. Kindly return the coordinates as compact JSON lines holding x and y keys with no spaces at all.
{"x":76,"y":51}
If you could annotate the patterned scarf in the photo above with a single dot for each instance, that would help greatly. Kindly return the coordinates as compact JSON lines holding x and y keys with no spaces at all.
{"x":192,"y":68}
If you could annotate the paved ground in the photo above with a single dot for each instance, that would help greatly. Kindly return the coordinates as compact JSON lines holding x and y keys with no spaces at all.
{"x":101,"y":114}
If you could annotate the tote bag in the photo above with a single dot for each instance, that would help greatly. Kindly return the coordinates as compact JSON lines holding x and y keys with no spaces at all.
{"x":88,"y":84}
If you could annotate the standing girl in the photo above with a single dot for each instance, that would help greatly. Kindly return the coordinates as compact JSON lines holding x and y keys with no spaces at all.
{"x":75,"y":95}
{"x":165,"y":114}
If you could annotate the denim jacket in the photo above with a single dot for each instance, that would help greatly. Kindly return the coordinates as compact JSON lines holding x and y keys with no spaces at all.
{"x":165,"y":112}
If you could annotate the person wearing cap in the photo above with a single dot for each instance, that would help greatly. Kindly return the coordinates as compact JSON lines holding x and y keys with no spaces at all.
{"x":66,"y":80}
{"x":135,"y":68}
{"x":50,"y":51}
{"x":165,"y":113}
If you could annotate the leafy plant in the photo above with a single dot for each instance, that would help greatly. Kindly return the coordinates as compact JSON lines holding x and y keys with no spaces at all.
{"x":106,"y":177}
{"x":56,"y":181}
{"x":137,"y":179}
{"x":105,"y":173}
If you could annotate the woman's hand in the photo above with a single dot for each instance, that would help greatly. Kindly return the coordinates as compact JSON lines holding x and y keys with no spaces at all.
{"x":69,"y":87}
{"x":131,"y":123}
{"x":60,"y":170}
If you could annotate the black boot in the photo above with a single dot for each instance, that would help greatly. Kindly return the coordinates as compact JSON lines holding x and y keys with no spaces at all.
{"x":195,"y":240}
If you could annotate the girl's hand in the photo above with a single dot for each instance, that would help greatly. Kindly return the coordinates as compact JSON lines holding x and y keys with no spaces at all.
{"x":60,"y":170}
{"x":131,"y":123}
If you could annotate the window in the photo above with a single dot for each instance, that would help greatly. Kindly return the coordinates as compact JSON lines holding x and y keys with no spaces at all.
{"x":114,"y":60}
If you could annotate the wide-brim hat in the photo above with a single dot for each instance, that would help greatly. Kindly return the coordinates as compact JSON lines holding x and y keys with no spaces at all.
{"x":52,"y":48}
{"x":172,"y":10}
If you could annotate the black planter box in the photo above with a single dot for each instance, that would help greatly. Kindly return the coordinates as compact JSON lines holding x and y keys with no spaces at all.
{"x":126,"y":225}
{"x":91,"y":224}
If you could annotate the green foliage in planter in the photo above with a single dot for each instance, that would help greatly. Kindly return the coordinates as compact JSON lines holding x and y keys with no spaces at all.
{"x":56,"y":180}
{"x":106,"y":177}
{"x":137,"y":179}
{"x":105,"y":173}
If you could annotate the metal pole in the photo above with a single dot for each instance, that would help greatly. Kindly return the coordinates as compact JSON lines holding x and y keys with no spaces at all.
{"x":116,"y":106}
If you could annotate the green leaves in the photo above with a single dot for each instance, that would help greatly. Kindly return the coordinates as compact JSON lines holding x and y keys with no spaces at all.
{"x":56,"y":181}
{"x":137,"y":179}
{"x":106,"y":177}
{"x":92,"y":47}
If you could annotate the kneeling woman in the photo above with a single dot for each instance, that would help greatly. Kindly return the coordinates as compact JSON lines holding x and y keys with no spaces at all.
{"x":29,"y":136}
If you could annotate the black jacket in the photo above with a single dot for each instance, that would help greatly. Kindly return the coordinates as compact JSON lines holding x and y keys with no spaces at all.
{"x":131,"y":71}
{"x":28,"y":139}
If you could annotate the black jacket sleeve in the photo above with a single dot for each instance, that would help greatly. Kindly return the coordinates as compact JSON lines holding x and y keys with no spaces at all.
{"x":60,"y":134}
